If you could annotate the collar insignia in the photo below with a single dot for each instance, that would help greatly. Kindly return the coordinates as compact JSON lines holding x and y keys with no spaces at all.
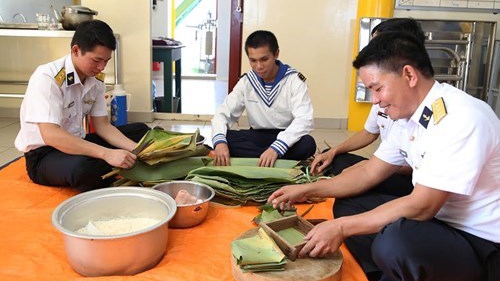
{"x":439,"y":109}
{"x":60,"y":77}
{"x":71,"y":78}
{"x":425,"y":117}
{"x":100,"y":76}
{"x":382,"y":114}
{"x":302,"y":77}
{"x":402,"y":152}
{"x":71,"y":104}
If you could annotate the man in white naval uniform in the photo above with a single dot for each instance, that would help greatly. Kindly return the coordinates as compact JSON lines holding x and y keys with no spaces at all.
{"x":448,"y":228}
{"x":338,"y":158}
{"x":278,"y":107}
{"x":59,"y":95}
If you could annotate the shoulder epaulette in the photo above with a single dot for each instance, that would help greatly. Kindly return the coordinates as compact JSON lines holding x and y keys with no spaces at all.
{"x":60,"y":77}
{"x":301,"y":76}
{"x":243,"y":75}
{"x":439,"y":109}
{"x":100,"y":76}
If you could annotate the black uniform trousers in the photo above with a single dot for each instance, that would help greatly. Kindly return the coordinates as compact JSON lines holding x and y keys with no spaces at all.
{"x":252,"y":143}
{"x":397,"y":184}
{"x":49,"y":166}
{"x":417,"y":250}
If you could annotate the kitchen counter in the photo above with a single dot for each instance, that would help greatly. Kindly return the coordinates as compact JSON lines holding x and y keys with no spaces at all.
{"x":36,"y":33}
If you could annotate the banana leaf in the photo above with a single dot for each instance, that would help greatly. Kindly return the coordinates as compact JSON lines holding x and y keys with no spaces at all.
{"x":258,"y":252}
{"x":269,"y":213}
{"x":164,"y":171}
{"x":249,"y":172}
{"x":165,"y":144}
{"x":252,"y":162}
{"x":292,"y":236}
{"x":200,"y":150}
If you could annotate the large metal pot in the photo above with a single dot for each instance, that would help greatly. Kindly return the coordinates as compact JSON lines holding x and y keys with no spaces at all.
{"x":71,"y":16}
{"x":123,"y":254}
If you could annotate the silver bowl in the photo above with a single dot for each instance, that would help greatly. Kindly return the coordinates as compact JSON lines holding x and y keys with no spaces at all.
{"x":191,"y":214}
{"x":124,"y":254}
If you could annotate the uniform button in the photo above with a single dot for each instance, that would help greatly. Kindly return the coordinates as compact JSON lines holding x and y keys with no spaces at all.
{"x":382,"y":126}
{"x":412,"y":138}
{"x":416,"y":167}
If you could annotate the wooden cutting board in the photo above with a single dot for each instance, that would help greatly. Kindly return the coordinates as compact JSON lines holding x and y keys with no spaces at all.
{"x":305,"y":269}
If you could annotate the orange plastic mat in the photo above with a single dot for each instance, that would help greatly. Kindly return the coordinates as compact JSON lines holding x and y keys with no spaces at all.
{"x":32,"y":249}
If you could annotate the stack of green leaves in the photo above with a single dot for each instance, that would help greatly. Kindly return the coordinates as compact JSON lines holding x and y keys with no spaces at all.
{"x":258,"y":253}
{"x":244,"y":182}
{"x":162,"y":156}
{"x":166,"y":146}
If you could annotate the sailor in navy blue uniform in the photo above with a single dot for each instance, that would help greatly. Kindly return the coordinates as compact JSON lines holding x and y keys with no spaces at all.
{"x":278,"y":108}
{"x":448,"y":227}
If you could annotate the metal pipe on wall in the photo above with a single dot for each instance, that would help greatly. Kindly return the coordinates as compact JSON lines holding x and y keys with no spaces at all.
{"x":358,"y":112}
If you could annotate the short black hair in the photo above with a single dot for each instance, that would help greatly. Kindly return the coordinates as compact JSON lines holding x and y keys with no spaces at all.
{"x":403,"y":25}
{"x":91,"y":33}
{"x":261,"y":38}
{"x":391,"y":51}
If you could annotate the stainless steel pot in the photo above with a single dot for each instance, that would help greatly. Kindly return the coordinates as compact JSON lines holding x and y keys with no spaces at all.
{"x":191,"y":214}
{"x":123,"y":254}
{"x":71,"y":16}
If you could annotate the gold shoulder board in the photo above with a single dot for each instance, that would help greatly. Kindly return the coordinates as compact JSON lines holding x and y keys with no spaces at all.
{"x":439,"y":110}
{"x":302,"y":77}
{"x":100,"y":76}
{"x":60,"y":77}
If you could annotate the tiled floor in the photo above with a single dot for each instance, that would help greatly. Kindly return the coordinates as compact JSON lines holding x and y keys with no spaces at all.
{"x":10,"y":126}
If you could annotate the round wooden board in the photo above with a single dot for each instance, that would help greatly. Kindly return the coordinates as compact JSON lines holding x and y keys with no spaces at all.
{"x":305,"y":269}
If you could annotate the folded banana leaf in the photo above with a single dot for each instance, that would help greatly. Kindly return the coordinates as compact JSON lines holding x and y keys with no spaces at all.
{"x":158,"y":146}
{"x":258,"y":253}
{"x":166,"y":146}
{"x":269,"y":213}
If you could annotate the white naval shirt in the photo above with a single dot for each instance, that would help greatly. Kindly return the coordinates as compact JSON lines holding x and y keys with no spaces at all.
{"x":460,"y":155}
{"x":378,"y":122}
{"x":291,"y":110}
{"x":66,"y":105}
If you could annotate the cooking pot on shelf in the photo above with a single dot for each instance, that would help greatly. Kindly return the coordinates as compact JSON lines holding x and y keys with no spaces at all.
{"x":71,"y":16}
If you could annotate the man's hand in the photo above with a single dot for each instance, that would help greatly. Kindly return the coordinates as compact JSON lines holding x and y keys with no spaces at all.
{"x":268,"y":158}
{"x":222,"y":157}
{"x":324,"y":238}
{"x":289,"y":194}
{"x":322,"y":161}
{"x":120,"y":158}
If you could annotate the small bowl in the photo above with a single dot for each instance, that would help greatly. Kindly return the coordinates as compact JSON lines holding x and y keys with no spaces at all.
{"x":123,"y":254}
{"x":191,"y":214}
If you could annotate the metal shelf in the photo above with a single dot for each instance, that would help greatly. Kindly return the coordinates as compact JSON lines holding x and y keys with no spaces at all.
{"x":34,"y":33}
